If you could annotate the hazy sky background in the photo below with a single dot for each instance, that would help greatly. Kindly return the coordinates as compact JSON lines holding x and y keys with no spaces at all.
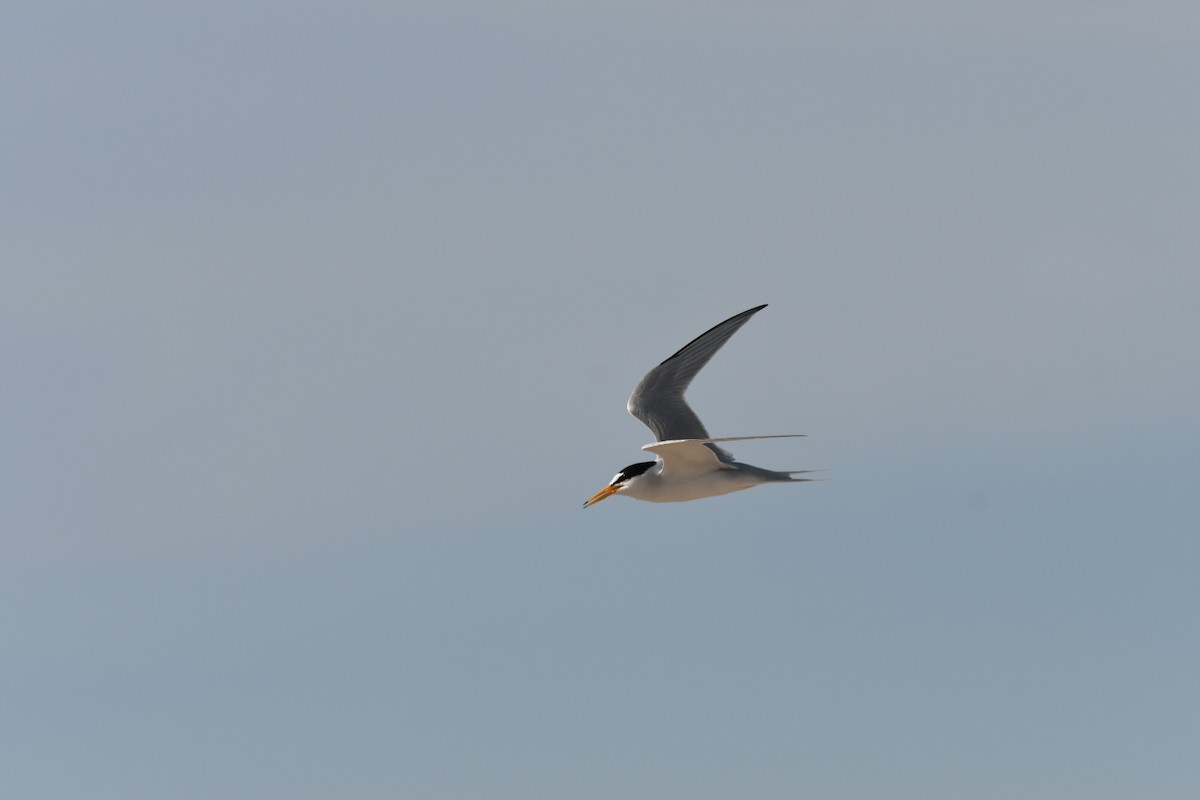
{"x":317,"y":323}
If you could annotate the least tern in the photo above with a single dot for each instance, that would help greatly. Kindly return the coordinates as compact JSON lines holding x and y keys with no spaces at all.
{"x":688,"y":463}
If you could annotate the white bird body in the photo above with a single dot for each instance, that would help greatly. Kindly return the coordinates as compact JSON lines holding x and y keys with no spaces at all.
{"x":652,"y":487}
{"x":688,"y":465}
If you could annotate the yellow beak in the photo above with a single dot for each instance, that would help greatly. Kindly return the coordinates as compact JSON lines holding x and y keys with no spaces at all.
{"x":607,"y":491}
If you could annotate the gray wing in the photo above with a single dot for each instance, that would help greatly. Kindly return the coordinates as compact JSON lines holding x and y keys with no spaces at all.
{"x":686,"y":457}
{"x":658,"y":400}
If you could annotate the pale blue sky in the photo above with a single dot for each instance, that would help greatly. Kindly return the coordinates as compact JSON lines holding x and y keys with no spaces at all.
{"x":317,"y":324}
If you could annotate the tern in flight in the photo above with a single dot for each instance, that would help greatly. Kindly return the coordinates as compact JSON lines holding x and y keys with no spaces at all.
{"x":688,"y":463}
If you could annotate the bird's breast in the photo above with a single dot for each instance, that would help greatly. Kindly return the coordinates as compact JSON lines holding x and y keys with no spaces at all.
{"x":655,"y":488}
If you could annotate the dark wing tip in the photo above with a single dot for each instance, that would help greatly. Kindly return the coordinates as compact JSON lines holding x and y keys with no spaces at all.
{"x":744,"y":315}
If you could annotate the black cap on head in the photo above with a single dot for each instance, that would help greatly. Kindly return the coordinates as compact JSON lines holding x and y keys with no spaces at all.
{"x":632,"y":471}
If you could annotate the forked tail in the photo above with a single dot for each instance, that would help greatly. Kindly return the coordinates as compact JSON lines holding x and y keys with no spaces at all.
{"x":791,"y":472}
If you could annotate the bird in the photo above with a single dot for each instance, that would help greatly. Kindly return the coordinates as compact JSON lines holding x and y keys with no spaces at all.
{"x":688,"y":464}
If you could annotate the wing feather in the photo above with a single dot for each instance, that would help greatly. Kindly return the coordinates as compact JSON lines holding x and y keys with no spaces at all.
{"x":658,"y":399}
{"x":685,"y":458}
